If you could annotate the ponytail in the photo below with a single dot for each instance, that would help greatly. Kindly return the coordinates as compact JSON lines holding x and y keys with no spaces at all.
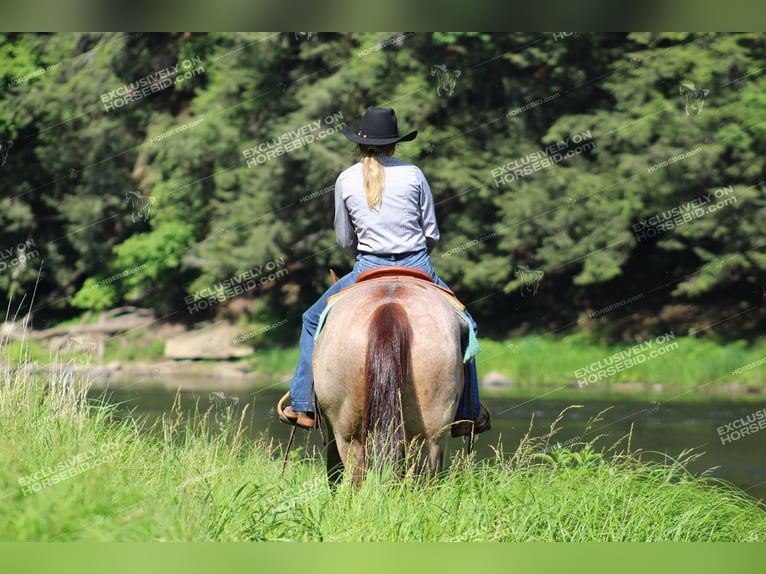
{"x":373,"y":173}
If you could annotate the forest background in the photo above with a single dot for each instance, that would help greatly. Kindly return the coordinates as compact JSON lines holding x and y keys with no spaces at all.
{"x":602,"y":183}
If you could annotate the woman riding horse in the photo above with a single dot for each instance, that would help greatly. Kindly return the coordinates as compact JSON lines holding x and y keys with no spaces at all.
{"x":384,"y":215}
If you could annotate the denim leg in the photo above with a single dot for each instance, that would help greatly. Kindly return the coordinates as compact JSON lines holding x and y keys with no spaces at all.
{"x":300,"y":388}
{"x":468,"y":407}
{"x":301,"y":395}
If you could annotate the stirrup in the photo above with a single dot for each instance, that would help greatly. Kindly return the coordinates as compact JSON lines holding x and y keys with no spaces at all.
{"x":467,"y":427}
{"x":295,"y":418}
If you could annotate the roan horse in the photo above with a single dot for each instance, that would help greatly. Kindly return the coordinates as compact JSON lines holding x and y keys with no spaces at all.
{"x":388,"y":373}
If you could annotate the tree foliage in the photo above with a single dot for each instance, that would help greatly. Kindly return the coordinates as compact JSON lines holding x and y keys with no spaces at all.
{"x":153,"y":200}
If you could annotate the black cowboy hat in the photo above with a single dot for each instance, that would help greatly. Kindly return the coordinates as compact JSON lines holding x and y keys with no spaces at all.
{"x":379,"y":127}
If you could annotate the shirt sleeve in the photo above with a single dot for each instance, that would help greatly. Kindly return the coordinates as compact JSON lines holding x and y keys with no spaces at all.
{"x":344,"y":229}
{"x":428,"y":213}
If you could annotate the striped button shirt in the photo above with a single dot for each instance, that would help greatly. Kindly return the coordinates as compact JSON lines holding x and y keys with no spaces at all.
{"x":404,"y":222}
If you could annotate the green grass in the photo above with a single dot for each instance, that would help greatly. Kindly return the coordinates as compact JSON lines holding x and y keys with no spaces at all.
{"x":275,"y":361}
{"x":133,"y":346}
{"x":20,"y":352}
{"x":189,"y":479}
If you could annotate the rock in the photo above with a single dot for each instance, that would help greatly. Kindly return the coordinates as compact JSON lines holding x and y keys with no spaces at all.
{"x":214,"y":342}
{"x":11,"y":330}
{"x":495,"y":379}
{"x":110,"y":322}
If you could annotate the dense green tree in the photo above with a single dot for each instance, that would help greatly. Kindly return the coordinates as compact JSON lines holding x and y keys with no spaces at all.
{"x":571,"y":171}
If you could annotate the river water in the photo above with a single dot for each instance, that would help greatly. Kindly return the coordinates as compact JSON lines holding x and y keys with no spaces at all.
{"x":661,"y":428}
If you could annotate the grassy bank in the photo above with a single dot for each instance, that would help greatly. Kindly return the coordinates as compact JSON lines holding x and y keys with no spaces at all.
{"x":677,"y":361}
{"x":69,"y":472}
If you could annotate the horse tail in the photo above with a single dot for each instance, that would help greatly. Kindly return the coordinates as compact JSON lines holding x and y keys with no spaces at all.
{"x":387,"y":369}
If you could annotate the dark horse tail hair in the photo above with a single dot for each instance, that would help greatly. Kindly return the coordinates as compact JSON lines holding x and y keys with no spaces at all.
{"x":388,"y":369}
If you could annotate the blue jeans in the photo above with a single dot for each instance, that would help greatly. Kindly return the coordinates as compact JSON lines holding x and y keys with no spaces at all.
{"x":301,"y":391}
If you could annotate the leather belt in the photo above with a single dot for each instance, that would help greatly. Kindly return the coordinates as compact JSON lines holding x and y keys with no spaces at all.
{"x":389,"y":255}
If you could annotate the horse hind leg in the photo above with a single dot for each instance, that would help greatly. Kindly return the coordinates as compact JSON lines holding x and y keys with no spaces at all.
{"x":342,"y":455}
{"x":435,"y":458}
{"x":335,"y":465}
{"x":356,"y":462}
{"x":428,"y":459}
